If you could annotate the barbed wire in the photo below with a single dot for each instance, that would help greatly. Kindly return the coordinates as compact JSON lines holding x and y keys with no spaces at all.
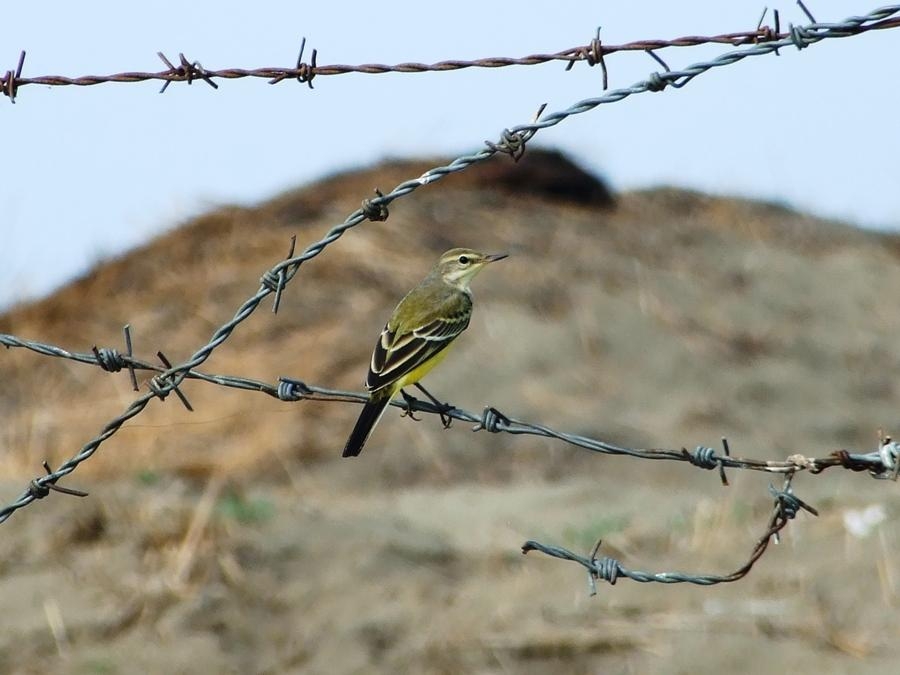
{"x":593,"y":53}
{"x":883,"y":463}
{"x":787,"y":506}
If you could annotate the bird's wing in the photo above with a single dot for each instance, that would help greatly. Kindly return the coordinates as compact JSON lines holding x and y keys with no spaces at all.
{"x":400,"y":350}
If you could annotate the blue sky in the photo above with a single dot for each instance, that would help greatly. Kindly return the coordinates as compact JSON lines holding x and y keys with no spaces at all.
{"x":91,"y":172}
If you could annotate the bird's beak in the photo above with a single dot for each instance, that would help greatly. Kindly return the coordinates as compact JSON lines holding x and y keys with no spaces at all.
{"x":494,"y":257}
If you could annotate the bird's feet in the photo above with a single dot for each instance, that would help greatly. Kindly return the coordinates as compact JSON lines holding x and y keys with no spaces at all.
{"x":408,"y":412}
{"x":443,"y":412}
{"x":442,"y":409}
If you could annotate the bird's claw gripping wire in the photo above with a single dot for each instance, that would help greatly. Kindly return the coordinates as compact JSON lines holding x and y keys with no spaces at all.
{"x":442,"y":408}
{"x":408,"y":410}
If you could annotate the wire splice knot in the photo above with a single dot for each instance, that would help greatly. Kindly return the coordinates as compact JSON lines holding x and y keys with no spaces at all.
{"x":292,"y":390}
{"x":890,"y":457}
{"x":492,"y":420}
{"x":108,"y":359}
{"x":703,"y":457}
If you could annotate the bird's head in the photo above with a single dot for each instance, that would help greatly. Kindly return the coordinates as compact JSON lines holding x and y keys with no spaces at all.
{"x":458,"y":265}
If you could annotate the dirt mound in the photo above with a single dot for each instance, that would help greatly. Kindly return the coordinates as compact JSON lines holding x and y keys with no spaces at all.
{"x":236,"y":537}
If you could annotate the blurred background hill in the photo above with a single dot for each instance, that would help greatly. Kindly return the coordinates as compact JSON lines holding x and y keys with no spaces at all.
{"x":237,"y":538}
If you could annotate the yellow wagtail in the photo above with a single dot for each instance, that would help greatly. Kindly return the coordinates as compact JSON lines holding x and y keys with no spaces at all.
{"x":416,"y":337}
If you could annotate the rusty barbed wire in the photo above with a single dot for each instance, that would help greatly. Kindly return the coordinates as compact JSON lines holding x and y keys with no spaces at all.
{"x":592,"y":54}
{"x":883,"y":463}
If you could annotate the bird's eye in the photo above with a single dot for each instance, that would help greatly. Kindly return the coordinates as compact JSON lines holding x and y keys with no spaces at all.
{"x":463,"y":260}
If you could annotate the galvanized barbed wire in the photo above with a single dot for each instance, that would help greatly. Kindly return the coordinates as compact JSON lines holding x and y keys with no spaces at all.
{"x":511,"y":142}
{"x":593,"y":53}
{"x":883,"y":462}
{"x":787,"y":506}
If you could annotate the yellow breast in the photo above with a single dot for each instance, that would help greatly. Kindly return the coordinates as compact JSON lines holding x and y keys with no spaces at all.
{"x":421,"y":371}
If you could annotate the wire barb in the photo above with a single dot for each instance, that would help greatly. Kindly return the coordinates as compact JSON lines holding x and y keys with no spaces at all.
{"x":274,"y":280}
{"x":727,"y":450}
{"x":112,"y":361}
{"x":658,"y":81}
{"x":306,"y":72}
{"x":809,"y":15}
{"x":777,"y":28}
{"x":592,"y":54}
{"x":186,"y":72}
{"x":41,"y":487}
{"x":164,"y":383}
{"x":512,"y":142}
{"x":788,"y":504}
{"x":9,"y":83}
{"x":376,"y":209}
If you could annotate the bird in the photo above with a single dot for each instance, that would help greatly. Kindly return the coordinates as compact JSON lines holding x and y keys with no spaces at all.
{"x":416,"y":337}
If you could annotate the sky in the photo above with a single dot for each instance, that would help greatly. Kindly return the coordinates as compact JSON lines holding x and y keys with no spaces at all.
{"x":90,"y":172}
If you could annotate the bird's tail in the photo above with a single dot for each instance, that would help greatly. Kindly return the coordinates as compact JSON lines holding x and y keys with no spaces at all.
{"x":368,"y":418}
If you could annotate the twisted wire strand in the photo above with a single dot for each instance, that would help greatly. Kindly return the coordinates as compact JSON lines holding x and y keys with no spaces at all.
{"x":880,"y":462}
{"x":787,"y":506}
{"x":592,"y":54}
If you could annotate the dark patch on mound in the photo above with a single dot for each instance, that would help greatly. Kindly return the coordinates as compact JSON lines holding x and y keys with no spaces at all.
{"x":540,"y":174}
{"x":549,"y":174}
